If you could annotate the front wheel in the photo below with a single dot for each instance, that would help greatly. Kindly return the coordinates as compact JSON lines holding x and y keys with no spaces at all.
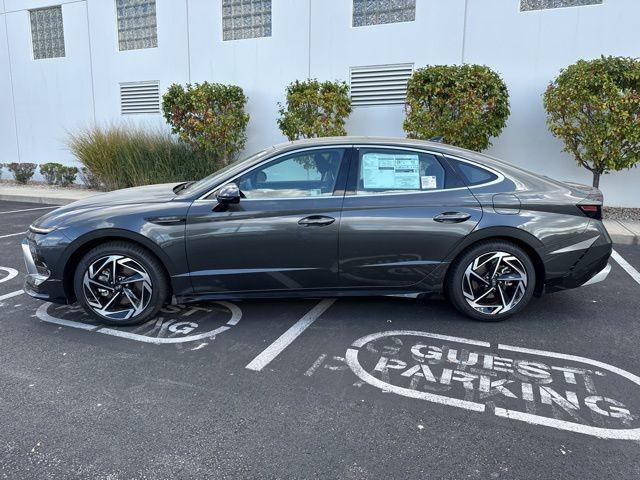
{"x":120,"y":283}
{"x":491,"y":280}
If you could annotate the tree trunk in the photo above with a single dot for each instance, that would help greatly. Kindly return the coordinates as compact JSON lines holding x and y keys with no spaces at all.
{"x":596,"y":179}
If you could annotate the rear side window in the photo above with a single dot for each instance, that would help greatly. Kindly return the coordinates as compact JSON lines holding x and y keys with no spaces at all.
{"x":473,"y":174}
{"x":384,"y":171}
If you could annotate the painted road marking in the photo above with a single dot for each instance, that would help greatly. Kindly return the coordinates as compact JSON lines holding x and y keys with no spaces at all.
{"x":13,"y":235}
{"x":273,"y":350}
{"x":29,"y":210}
{"x":11,"y":273}
{"x":626,"y":265}
{"x":539,"y":387}
{"x":7,"y":296}
{"x":176,"y":323}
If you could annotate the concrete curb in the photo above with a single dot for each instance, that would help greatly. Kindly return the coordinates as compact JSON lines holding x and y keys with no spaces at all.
{"x":46,"y":198}
{"x":623,"y":233}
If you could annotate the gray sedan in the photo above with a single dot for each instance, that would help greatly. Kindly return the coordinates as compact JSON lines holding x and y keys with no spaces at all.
{"x":325,"y":217}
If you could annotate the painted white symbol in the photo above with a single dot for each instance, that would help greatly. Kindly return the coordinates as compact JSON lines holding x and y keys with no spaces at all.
{"x":11,"y":273}
{"x":176,"y":328}
{"x":478,"y":372}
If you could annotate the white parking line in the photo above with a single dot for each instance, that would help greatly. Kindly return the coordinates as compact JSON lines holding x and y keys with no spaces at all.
{"x":273,"y":350}
{"x":11,"y":273}
{"x":626,"y":266}
{"x":13,"y":235}
{"x":29,"y":210}
{"x":7,"y":296}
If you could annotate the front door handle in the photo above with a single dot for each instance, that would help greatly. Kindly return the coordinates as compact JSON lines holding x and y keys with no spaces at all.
{"x":316,"y":221}
{"x":452,"y":217}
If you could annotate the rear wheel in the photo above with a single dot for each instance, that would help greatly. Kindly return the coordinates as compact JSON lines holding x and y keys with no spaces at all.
{"x":491,"y":281}
{"x":120,"y":283}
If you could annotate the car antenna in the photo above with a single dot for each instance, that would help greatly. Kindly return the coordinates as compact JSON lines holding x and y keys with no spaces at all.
{"x":439,"y":139}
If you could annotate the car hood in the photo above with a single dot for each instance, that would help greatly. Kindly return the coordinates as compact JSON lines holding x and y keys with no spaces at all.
{"x":128,"y":196}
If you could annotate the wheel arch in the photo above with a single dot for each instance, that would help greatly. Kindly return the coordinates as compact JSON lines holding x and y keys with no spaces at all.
{"x":530,"y":244}
{"x":87,"y":242}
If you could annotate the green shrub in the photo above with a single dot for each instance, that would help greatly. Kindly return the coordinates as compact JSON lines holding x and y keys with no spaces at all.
{"x":51,"y":172}
{"x":67,"y":176}
{"x":464,"y":104}
{"x":90,"y":179}
{"x":315,"y":109}
{"x":22,"y":172}
{"x":127,"y":156}
{"x":594,"y":107}
{"x":208,"y":116}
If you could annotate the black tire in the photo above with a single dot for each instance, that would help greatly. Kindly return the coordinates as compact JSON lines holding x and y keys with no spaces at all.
{"x":157,"y":281}
{"x":456,"y":275}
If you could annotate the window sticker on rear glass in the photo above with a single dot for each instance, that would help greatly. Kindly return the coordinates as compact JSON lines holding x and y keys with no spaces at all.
{"x":389,"y":171}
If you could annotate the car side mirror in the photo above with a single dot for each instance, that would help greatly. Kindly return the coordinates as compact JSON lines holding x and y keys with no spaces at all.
{"x":229,"y":194}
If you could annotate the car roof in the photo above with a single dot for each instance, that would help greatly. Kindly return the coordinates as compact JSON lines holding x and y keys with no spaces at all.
{"x":365,"y":140}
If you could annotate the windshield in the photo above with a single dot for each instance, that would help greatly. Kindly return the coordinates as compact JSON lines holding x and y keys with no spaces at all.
{"x":212,"y":179}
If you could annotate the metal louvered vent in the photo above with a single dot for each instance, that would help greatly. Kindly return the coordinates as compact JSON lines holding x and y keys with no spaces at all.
{"x":380,"y":84}
{"x":139,"y":97}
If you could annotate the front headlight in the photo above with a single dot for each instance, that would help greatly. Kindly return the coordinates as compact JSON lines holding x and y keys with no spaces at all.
{"x":41,"y":230}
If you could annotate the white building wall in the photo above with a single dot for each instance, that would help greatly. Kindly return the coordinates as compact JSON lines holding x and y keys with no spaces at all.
{"x":52,"y":96}
{"x":8,"y":139}
{"x":310,"y":38}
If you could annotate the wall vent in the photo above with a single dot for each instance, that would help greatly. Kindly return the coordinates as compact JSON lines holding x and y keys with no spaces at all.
{"x":139,"y":97}
{"x":380,"y":84}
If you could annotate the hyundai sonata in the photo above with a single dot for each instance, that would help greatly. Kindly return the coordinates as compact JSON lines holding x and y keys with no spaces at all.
{"x":325,"y":217}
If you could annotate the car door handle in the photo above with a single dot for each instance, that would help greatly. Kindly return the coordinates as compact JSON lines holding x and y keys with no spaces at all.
{"x":452,"y":217}
{"x":316,"y":220}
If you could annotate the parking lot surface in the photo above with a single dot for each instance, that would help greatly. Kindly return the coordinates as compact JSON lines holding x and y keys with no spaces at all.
{"x":353,"y":388}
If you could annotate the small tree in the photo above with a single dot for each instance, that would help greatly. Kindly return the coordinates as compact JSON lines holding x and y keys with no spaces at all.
{"x":464,"y":104}
{"x":594,"y":107}
{"x":315,"y":109}
{"x":209,"y":116}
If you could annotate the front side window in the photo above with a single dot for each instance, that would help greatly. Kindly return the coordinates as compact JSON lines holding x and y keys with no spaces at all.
{"x":246,"y":19}
{"x":137,"y":25}
{"x":312,"y":173}
{"x":47,"y":32}
{"x":384,"y":171}
{"x":377,"y":12}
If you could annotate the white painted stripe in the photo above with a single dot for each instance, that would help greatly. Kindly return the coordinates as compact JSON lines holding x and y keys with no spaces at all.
{"x":394,"y":333}
{"x":13,"y":235}
{"x":12,"y":273}
{"x":626,"y":265}
{"x":599,"y":432}
{"x":7,"y":296}
{"x":160,"y":340}
{"x":273,"y":350}
{"x":29,"y":209}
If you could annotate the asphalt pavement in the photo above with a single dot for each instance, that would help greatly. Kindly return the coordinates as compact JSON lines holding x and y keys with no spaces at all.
{"x":355,"y":388}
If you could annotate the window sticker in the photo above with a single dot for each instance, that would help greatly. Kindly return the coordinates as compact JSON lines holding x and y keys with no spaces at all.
{"x":428,"y":182}
{"x":389,"y":171}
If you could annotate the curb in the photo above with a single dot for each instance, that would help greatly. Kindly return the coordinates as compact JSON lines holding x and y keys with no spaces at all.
{"x":41,"y":199}
{"x":620,"y":233}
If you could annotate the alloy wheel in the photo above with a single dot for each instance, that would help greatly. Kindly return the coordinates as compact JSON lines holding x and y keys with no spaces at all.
{"x":117,"y":287}
{"x":494,"y":283}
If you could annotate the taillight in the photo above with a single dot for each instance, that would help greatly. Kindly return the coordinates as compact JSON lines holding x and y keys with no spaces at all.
{"x":592,"y":211}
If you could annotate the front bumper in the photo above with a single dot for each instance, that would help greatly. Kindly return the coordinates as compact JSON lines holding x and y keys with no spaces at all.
{"x":38,"y":282}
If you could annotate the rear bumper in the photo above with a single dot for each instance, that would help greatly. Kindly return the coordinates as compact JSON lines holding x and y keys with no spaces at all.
{"x":601,"y":276}
{"x":584,"y":262}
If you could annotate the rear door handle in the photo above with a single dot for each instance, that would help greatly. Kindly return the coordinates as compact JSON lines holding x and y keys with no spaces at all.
{"x":452,"y":217}
{"x":316,"y":221}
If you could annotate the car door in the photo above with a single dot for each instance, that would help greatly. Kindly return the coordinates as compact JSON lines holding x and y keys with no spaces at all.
{"x":403,"y":211}
{"x":282,"y":235}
